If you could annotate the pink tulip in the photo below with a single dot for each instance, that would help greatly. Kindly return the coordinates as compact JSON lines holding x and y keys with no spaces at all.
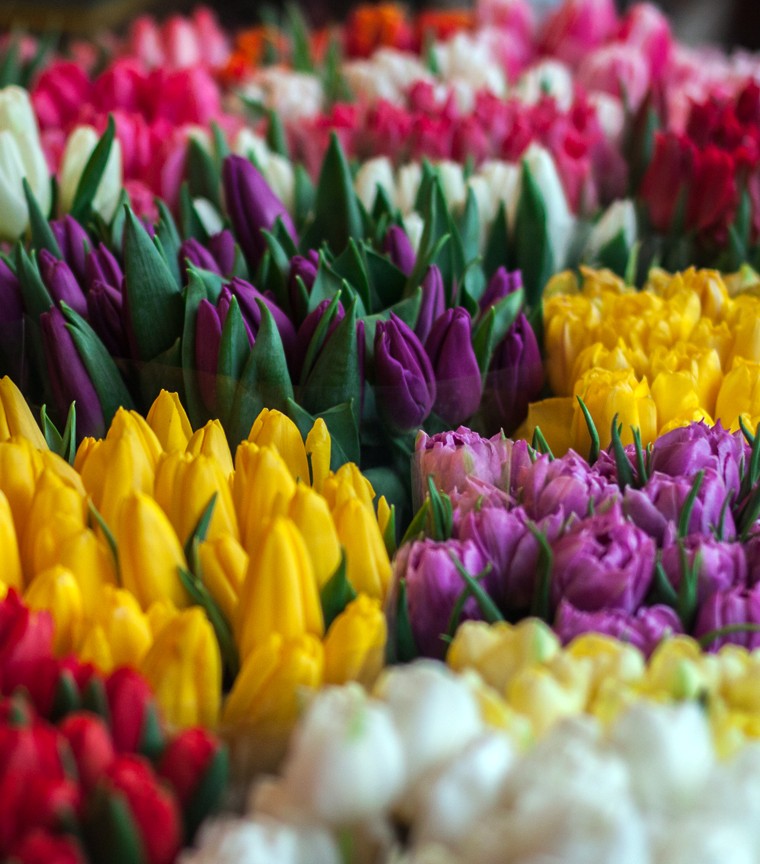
{"x":645,"y":28}
{"x":618,"y":69}
{"x":577,"y":27}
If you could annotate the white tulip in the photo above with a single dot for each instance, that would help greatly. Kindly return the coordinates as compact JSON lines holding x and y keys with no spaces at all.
{"x":17,"y":117}
{"x":452,"y":183}
{"x":210,"y":217}
{"x":374,"y":173}
{"x":618,"y":218}
{"x":547,"y":77}
{"x":346,"y":762}
{"x":414,"y":225}
{"x":293,"y":94}
{"x":247,"y":143}
{"x":610,"y":113}
{"x":79,"y":146}
{"x":488,"y":204}
{"x":408,"y":179}
{"x":14,"y":215}
{"x":280,"y":176}
{"x":694,"y":841}
{"x":502,"y":179}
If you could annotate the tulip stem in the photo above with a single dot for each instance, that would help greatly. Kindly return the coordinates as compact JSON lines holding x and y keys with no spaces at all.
{"x":489,"y":609}
{"x":593,"y":453}
{"x":685,"y":517}
{"x":712,"y":635}
{"x":108,"y":534}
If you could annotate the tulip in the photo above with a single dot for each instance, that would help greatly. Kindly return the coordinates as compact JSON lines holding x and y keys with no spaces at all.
{"x":305,"y":269}
{"x":644,"y":630}
{"x":275,"y":429}
{"x":434,"y":585}
{"x":79,"y":146}
{"x":75,"y":245}
{"x":714,"y":564}
{"x":457,"y":376}
{"x":577,"y":27}
{"x":16,"y":418}
{"x":149,"y":552}
{"x":184,"y":668}
{"x":222,"y":247}
{"x":368,"y":568}
{"x":247,"y":296}
{"x":374,"y":174}
{"x":40,"y":847}
{"x":149,"y":813}
{"x":516,"y":375}
{"x":223,"y":563}
{"x":306,"y":332}
{"x":57,"y":591}
{"x":404,"y":379}
{"x":184,"y":488}
{"x":347,"y":762}
{"x":105,"y":312}
{"x":267,"y":694}
{"x":90,"y":743}
{"x":355,"y":643}
{"x":252,"y":207}
{"x":569,"y":323}
{"x":279,"y":594}
{"x":603,"y":562}
{"x":131,"y":712}
{"x":726,"y":608}
{"x":397,"y":247}
{"x":211,"y":441}
{"x":12,"y":575}
{"x":119,"y":633}
{"x":433,"y":303}
{"x":194,"y":253}
{"x":262,"y":489}
{"x":311,"y":516}
{"x":318,"y":446}
{"x":102,"y":266}
{"x":168,"y":419}
{"x":61,"y":282}
{"x":500,"y":285}
{"x":69,"y":379}
{"x":11,"y":324}
{"x":15,"y":216}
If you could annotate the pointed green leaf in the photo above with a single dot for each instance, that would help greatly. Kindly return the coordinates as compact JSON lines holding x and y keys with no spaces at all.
{"x":93,"y":173}
{"x":203,"y":174}
{"x":42,"y":233}
{"x":336,"y":593}
{"x":533,"y":246}
{"x":33,"y":291}
{"x":234,"y":350}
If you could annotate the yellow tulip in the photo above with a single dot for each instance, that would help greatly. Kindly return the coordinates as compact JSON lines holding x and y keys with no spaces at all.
{"x":570,"y":324}
{"x":554,"y":417}
{"x":184,"y":668}
{"x":383,"y":514}
{"x":224,"y":564}
{"x":709,"y":336}
{"x":746,"y":326}
{"x":20,"y":466}
{"x":57,"y":591}
{"x":16,"y":418}
{"x":211,"y":441}
{"x":184,"y":487}
{"x":122,"y":463}
{"x":57,"y":513}
{"x":701,"y":364}
{"x":607,"y":394}
{"x":607,"y":659}
{"x":268,"y":693}
{"x":368,"y":566}
{"x":355,"y":643}
{"x":119,"y":621}
{"x":739,"y":394}
{"x":159,"y":614}
{"x":90,"y":560}
{"x":346,"y":483}
{"x":168,"y":419}
{"x":275,"y":429}
{"x":95,"y":647}
{"x":312,"y":517}
{"x":280,"y":593}
{"x":318,"y":451}
{"x":599,"y":356}
{"x":707,"y":285}
{"x":262,"y":489}
{"x":12,"y":575}
{"x":675,"y":396}
{"x":149,"y":552}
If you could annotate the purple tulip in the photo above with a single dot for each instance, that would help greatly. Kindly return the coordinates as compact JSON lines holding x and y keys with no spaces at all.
{"x":304,"y":268}
{"x":728,"y":608}
{"x":457,"y":376}
{"x":603,"y":562}
{"x":752,"y":554}
{"x":476,"y":495}
{"x":404,"y":380}
{"x":606,"y":466}
{"x":252,"y":207}
{"x":222,"y":247}
{"x":306,"y":333}
{"x":721,"y":565}
{"x":685,"y":450}
{"x":208,"y":338}
{"x":11,"y":323}
{"x":505,"y":539}
{"x":433,"y":585}
{"x":105,"y":314}
{"x":193,"y":252}
{"x":515,"y":378}
{"x":644,"y":630}
{"x":433,"y":303}
{"x":657,"y":506}
{"x":500,"y":285}
{"x":68,"y":378}
{"x":398,"y":247}
{"x":74,"y":243}
{"x":566,"y":486}
{"x":61,"y":282}
{"x":102,"y":266}
{"x":247,"y":295}
{"x":450,"y":458}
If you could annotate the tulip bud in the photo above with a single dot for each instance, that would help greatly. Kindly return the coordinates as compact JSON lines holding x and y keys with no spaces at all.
{"x":12,"y":575}
{"x":457,"y":375}
{"x":57,"y":591}
{"x":69,"y":379}
{"x":20,"y":466}
{"x":102,"y":266}
{"x":42,"y":847}
{"x":501,"y":284}
{"x":318,"y":446}
{"x":275,"y":429}
{"x":374,"y":174}
{"x":75,"y":245}
{"x":168,"y":419}
{"x":194,"y":253}
{"x":90,"y":742}
{"x":280,"y":593}
{"x":248,"y":296}
{"x":79,"y":146}
{"x":252,"y":207}
{"x":222,"y":247}
{"x":355,"y":643}
{"x":305,"y":269}
{"x":15,"y":216}
{"x":11,"y":324}
{"x":211,"y":441}
{"x":311,"y":515}
{"x":404,"y":379}
{"x":149,"y":552}
{"x":433,"y":302}
{"x":262,"y":489}
{"x":132,"y":712}
{"x":224,"y":564}
{"x":368,"y":568}
{"x":105,"y":312}
{"x":306,"y":332}
{"x":61,"y":282}
{"x":267,"y":694}
{"x":397,"y":247}
{"x":184,"y":668}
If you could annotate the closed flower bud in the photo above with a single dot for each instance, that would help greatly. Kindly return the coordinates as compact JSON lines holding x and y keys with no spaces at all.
{"x":15,"y":416}
{"x":149,"y":552}
{"x":75,"y":245}
{"x":105,"y":306}
{"x":90,"y":742}
{"x":224,"y":564}
{"x":12,"y":576}
{"x":57,"y":591}
{"x":262,"y":489}
{"x":280,"y":592}
{"x":61,"y":282}
{"x":404,"y":380}
{"x":318,"y":446}
{"x":211,"y":441}
{"x":119,"y":634}
{"x":101,"y":266}
{"x":368,"y":568}
{"x":355,"y":643}
{"x":184,"y":668}
{"x":311,"y":515}
{"x":457,"y":376}
{"x":42,"y":847}
{"x":397,"y":247}
{"x":433,"y":303}
{"x":79,"y":146}
{"x":168,"y":419}
{"x":277,"y":430}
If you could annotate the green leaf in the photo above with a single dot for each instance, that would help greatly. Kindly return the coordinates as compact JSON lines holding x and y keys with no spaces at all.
{"x":337,"y":217}
{"x":336,"y":593}
{"x":496,"y":254}
{"x":63,"y":445}
{"x":318,"y":337}
{"x":234,"y":350}
{"x":304,"y":196}
{"x":623,"y":466}
{"x":540,"y":444}
{"x":276,"y":138}
{"x":487,"y":607}
{"x":387,"y":282}
{"x":42,"y":233}
{"x":195,"y":292}
{"x":168,"y":237}
{"x":104,"y":374}
{"x":593,"y":432}
{"x":192,"y":224}
{"x":533,"y":246}
{"x":418,"y":524}
{"x":265,"y":380}
{"x":615,"y":255}
{"x":494,"y":326}
{"x":351,"y":267}
{"x":95,"y":516}
{"x":33,"y":291}
{"x":154,"y":303}
{"x":209,"y":793}
{"x":300,"y":43}
{"x":278,"y":270}
{"x":402,"y":648}
{"x":203,"y":174}
{"x":542,"y":594}
{"x":441,"y":513}
{"x":342,"y":424}
{"x":326,"y":286}
{"x":708,"y":638}
{"x":93,"y":174}
{"x":110,"y":833}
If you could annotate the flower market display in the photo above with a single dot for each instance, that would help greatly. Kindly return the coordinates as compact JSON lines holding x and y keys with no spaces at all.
{"x":379,"y":449}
